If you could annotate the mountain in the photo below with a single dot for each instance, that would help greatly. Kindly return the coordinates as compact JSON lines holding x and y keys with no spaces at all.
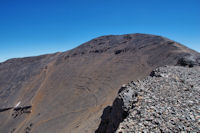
{"x":68,"y":91}
{"x":165,"y":101}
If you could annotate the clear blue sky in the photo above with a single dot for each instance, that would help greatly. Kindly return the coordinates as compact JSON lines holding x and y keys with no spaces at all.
{"x":34,"y":27}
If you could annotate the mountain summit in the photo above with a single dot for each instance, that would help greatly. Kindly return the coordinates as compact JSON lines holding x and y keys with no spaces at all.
{"x":67,"y":92}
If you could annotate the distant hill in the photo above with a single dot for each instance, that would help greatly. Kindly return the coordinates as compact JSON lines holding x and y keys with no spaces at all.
{"x":68,"y":91}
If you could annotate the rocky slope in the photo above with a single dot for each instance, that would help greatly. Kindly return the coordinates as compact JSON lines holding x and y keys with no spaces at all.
{"x":166,"y":101}
{"x":68,"y":91}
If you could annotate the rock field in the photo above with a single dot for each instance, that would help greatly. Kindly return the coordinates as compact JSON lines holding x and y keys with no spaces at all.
{"x":166,"y":101}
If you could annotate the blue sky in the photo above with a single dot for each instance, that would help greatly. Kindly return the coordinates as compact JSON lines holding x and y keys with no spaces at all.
{"x":34,"y":27}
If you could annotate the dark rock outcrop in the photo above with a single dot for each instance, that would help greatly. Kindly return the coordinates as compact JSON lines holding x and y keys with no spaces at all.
{"x":21,"y":110}
{"x":112,"y":117}
{"x":189,"y":60}
{"x":5,"y":109}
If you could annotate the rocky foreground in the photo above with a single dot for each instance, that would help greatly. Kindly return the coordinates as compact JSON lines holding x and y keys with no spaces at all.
{"x":166,"y":101}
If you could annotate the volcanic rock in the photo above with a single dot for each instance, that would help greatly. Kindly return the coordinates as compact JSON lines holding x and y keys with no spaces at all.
{"x":167,"y":101}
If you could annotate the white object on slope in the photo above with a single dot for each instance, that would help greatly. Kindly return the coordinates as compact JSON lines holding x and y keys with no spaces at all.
{"x":17,"y":104}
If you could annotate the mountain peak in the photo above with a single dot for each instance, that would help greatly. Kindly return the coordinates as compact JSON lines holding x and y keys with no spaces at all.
{"x":68,"y":91}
